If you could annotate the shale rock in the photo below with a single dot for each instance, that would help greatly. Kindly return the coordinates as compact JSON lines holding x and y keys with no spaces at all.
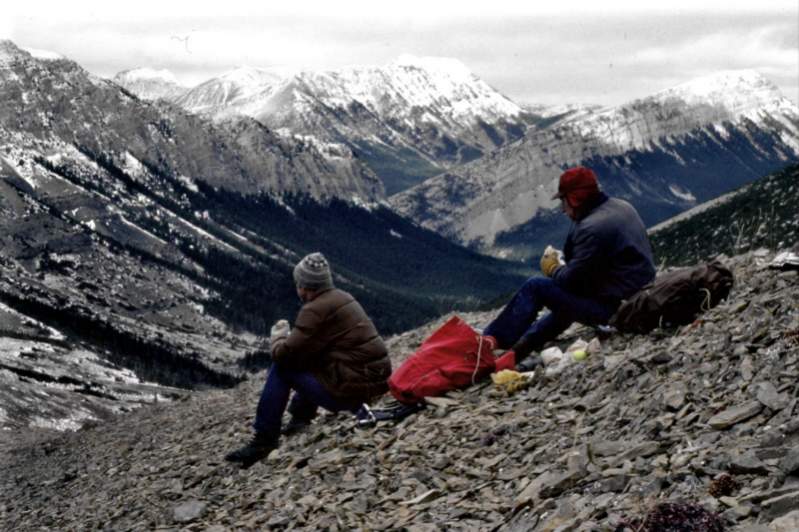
{"x":606,"y":440}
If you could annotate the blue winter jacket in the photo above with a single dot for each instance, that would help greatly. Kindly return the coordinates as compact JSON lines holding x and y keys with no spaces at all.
{"x":607,"y":253}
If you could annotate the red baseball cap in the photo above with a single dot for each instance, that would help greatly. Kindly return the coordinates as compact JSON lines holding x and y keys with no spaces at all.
{"x":577,"y":178}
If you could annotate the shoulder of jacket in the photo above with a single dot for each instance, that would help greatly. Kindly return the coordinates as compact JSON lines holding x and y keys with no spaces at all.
{"x":329,"y":301}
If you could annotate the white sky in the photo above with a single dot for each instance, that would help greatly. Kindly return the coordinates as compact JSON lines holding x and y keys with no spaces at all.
{"x":567,"y":51}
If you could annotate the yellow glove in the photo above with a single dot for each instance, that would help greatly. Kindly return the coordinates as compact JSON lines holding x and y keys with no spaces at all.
{"x":551,"y":261}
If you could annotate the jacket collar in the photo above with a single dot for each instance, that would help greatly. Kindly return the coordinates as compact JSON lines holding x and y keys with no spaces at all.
{"x":589,"y":206}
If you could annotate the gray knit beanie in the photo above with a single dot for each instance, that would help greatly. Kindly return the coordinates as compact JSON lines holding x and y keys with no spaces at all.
{"x":313,"y":273}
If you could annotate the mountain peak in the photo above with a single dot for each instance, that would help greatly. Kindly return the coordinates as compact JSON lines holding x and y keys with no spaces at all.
{"x":247,"y":76}
{"x":9,"y":50}
{"x":734,"y":89}
{"x":442,"y":65}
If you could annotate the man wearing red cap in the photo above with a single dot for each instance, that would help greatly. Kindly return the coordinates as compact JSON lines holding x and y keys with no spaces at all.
{"x":606,"y":258}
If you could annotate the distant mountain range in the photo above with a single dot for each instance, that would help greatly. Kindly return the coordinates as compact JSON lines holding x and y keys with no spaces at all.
{"x":465,"y":161}
{"x":664,"y":153}
{"x":408,"y":120}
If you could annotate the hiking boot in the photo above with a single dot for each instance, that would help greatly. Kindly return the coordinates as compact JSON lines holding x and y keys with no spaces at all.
{"x":294,"y":426}
{"x":529,"y":363}
{"x":259,"y":448}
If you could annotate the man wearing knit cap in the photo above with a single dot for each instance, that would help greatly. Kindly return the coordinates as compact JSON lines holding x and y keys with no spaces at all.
{"x":606,"y":258}
{"x":333,"y":358}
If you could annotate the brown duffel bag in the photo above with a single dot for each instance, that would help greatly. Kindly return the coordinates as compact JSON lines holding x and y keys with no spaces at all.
{"x":674,"y":298}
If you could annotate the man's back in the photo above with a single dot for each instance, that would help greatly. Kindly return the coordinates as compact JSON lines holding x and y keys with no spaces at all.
{"x":607,"y":252}
{"x":334,"y":338}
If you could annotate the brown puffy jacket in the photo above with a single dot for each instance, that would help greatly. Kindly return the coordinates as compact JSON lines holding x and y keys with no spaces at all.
{"x":334,"y":339}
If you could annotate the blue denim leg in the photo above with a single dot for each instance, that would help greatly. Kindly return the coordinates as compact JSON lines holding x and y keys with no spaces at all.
{"x":302,"y":408}
{"x":518,"y":319}
{"x":275,"y":397}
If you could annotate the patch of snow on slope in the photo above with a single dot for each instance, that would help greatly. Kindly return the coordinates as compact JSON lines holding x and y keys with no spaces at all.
{"x":200,"y":231}
{"x":146,"y":73}
{"x":142,"y":230}
{"x":682,"y":194}
{"x":132,"y":166}
{"x":70,"y":423}
{"x":359,"y":202}
{"x":45,"y":55}
{"x":188,"y":182}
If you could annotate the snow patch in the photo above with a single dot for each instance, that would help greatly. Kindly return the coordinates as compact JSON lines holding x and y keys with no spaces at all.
{"x":71,"y":423}
{"x":363,"y":204}
{"x":279,"y":201}
{"x":722,"y":131}
{"x":45,"y":55}
{"x":25,"y":173}
{"x":188,"y":182}
{"x":146,"y":73}
{"x":682,"y":194}
{"x":132,"y":166}
{"x":394,"y":233}
{"x":142,"y":230}
{"x":201,"y":231}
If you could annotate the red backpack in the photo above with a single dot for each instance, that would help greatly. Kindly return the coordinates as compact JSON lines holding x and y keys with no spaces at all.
{"x":454,"y":356}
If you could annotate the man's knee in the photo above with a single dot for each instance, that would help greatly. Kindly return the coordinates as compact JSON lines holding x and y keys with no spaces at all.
{"x":535,"y":285}
{"x":281,"y":372}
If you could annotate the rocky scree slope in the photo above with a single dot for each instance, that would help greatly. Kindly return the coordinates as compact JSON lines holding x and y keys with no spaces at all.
{"x":651,"y":418}
{"x":664,"y":153}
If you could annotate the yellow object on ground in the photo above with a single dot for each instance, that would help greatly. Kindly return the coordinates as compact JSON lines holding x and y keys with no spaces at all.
{"x":505,"y":376}
{"x":510,"y":381}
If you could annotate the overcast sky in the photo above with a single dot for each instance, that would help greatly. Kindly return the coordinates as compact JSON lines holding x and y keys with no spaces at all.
{"x":605,"y":52}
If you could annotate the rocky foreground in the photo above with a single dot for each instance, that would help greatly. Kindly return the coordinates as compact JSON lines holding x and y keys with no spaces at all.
{"x":705,"y":414}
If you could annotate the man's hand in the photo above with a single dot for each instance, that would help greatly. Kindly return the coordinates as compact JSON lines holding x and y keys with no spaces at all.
{"x":550,"y":261}
{"x":280,"y":331}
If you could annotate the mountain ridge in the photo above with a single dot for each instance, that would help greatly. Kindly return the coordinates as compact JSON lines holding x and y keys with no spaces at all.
{"x":659,"y":169}
{"x":150,"y":84}
{"x":406,"y":120}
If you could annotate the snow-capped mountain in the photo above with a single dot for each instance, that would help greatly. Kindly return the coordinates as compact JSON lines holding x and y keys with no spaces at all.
{"x":406,"y":120}
{"x":56,"y":103}
{"x":150,"y":84}
{"x":214,"y":96}
{"x":665,"y":153}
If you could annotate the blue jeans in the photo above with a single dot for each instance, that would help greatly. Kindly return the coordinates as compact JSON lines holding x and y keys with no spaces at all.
{"x":517,"y":320}
{"x":309,"y":394}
